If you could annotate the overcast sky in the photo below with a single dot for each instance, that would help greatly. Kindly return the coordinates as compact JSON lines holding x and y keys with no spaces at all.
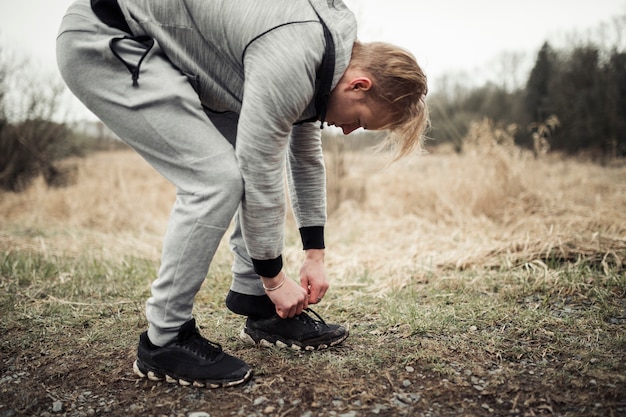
{"x":446,"y":36}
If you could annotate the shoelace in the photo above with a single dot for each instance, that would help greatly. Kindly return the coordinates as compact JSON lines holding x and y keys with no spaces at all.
{"x":200,"y":346}
{"x":305,"y":318}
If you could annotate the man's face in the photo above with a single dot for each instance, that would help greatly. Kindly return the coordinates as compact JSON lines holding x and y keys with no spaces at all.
{"x":348,"y":108}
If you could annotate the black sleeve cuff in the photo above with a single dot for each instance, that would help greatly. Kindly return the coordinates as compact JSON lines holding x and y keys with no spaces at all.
{"x":268,"y":268}
{"x":312,"y":237}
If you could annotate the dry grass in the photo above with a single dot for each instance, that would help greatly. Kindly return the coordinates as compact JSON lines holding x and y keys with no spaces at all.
{"x":119,"y":206}
{"x":493,"y":206}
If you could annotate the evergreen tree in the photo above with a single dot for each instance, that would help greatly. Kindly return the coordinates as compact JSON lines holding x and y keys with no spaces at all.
{"x":576,"y":93}
{"x":616,"y":104}
{"x":537,"y":103}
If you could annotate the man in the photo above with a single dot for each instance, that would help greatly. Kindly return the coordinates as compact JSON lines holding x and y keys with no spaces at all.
{"x":221,"y":97}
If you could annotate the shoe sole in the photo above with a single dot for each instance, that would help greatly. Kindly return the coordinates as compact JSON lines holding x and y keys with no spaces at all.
{"x":266,"y":341}
{"x":154,"y":376}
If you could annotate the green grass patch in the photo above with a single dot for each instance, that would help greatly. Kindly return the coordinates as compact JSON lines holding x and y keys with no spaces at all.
{"x":513,"y":341}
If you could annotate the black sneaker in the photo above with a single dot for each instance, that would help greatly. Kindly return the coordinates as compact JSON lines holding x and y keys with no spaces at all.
{"x":190,"y":359}
{"x":299,"y":333}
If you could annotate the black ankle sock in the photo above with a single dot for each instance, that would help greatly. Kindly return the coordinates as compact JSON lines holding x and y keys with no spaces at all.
{"x":255,"y":306}
{"x":152,"y":346}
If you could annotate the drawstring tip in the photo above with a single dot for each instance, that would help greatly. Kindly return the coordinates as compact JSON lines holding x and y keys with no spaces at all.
{"x":134,"y":70}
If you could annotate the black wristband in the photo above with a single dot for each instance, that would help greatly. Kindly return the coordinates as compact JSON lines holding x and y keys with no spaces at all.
{"x":312,"y":237}
{"x":268,"y":268}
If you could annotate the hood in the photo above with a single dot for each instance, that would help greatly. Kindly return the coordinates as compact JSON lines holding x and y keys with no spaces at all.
{"x":342,"y":25}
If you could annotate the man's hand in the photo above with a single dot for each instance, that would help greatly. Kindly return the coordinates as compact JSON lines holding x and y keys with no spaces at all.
{"x":288,"y":297}
{"x":313,"y":275}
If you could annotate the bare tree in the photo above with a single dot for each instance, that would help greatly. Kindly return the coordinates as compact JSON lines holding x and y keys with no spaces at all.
{"x":28,"y":134}
{"x":510,"y":70}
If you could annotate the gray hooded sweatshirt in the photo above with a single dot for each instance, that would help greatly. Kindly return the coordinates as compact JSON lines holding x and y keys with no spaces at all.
{"x":259,"y":59}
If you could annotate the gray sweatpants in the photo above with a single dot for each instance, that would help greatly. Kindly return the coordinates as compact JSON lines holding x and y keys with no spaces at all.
{"x":163,"y":120}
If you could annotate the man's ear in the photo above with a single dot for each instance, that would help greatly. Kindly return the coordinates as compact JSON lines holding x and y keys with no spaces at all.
{"x":360,"y":83}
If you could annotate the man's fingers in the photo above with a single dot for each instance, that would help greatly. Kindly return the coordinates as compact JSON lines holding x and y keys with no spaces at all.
{"x":322,"y":293}
{"x":292,"y":311}
{"x":315,"y":296}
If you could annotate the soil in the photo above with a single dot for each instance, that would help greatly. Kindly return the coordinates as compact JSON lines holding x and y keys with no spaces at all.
{"x":53,"y":379}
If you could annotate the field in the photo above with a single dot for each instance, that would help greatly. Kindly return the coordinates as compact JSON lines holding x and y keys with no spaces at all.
{"x":490,"y":282}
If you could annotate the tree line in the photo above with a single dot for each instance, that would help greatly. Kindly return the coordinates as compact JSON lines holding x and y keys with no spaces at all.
{"x":572,"y":101}
{"x":573,"y":97}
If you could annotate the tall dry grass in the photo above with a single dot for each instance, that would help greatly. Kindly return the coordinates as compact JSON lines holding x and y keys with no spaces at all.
{"x":491,"y":206}
{"x":118,"y":206}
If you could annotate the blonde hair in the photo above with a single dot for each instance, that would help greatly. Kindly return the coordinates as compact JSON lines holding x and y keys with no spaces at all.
{"x":401,"y":86}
